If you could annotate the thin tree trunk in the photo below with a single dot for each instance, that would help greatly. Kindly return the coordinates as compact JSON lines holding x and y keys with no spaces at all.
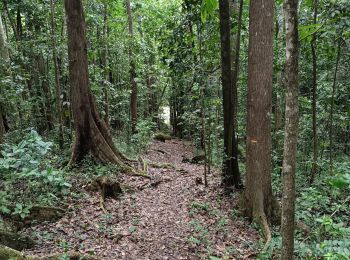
{"x":291,"y":129}
{"x":314,"y":97}
{"x":4,"y":55}
{"x":231,"y":175}
{"x":133,"y":95}
{"x":236,"y":62}
{"x":332,"y":109}
{"x":57,"y":76}
{"x":47,"y":109}
{"x":259,"y":203}
{"x":105,"y":64}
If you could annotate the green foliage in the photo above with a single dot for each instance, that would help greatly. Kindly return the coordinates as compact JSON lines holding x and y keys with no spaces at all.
{"x":207,"y":8}
{"x":27,"y":175}
{"x":24,"y":156}
{"x":324,"y":209}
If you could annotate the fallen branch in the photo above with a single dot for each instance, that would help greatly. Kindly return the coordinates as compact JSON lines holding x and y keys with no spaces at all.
{"x":16,"y":241}
{"x":161,"y":165}
{"x":161,"y":151}
{"x":9,"y":253}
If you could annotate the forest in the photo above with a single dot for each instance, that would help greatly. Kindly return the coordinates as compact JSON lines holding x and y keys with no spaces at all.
{"x":174,"y":129}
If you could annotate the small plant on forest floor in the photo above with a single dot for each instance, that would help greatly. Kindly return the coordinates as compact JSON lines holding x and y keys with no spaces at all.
{"x":197,"y":207}
{"x":201,"y":236}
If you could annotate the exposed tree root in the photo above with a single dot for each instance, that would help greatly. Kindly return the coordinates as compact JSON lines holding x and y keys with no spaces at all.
{"x":37,"y":214}
{"x":261,"y":213}
{"x":161,"y":165}
{"x":9,"y":253}
{"x":107,"y":187}
{"x":16,"y":241}
{"x":102,"y":205}
{"x":266,"y":230}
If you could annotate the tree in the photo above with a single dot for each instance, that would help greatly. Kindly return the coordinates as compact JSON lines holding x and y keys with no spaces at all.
{"x":57,"y":73}
{"x":332,"y":107}
{"x":231,"y":175}
{"x":133,"y":95}
{"x":236,"y":61}
{"x":291,"y":129}
{"x":314,"y":95}
{"x":4,"y":55}
{"x":92,"y":134}
{"x":258,"y":201}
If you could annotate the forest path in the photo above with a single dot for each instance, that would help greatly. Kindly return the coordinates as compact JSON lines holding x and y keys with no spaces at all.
{"x":170,"y":217}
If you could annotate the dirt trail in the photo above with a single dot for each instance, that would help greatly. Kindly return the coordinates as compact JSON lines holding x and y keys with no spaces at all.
{"x":171,"y":219}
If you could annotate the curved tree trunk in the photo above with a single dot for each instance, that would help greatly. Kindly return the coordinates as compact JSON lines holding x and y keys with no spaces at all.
{"x":92,"y":134}
{"x":259,"y":202}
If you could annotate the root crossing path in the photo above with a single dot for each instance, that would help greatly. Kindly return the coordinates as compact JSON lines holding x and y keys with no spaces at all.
{"x":171,"y":216}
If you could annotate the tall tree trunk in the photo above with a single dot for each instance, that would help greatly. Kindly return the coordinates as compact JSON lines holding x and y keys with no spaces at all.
{"x":291,"y":129}
{"x":236,"y":62}
{"x":231,"y":175}
{"x":133,"y":95}
{"x":57,"y":76}
{"x":259,"y":202}
{"x":314,"y":97}
{"x":92,"y":134}
{"x":332,"y":109}
{"x":4,"y":55}
{"x":105,"y":64}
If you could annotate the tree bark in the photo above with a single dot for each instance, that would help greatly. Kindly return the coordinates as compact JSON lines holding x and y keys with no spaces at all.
{"x":133,"y":95}
{"x":57,"y":76}
{"x":4,"y":55}
{"x":258,"y":200}
{"x":105,"y":64}
{"x":291,"y":129}
{"x":92,"y":134}
{"x":231,"y":175}
{"x":314,"y":97}
{"x":236,"y":62}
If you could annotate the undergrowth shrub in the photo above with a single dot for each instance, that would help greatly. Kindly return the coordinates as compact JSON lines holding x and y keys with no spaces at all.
{"x":27,"y":175}
{"x":324,"y":208}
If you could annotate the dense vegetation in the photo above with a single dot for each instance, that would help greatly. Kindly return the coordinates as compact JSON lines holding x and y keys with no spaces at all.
{"x":150,"y":62}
